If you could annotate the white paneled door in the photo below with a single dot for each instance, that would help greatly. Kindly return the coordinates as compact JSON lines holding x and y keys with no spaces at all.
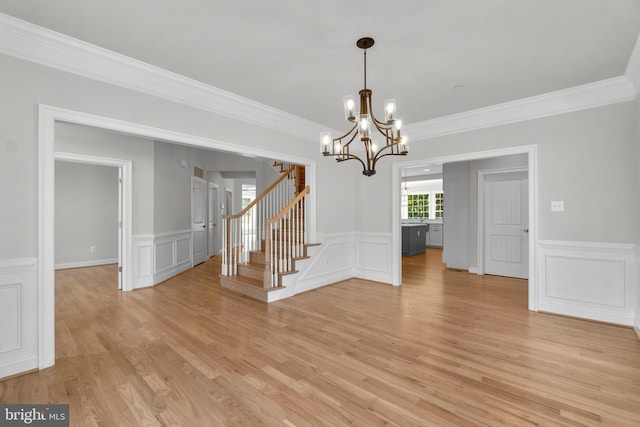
{"x":506,"y":224}
{"x":198,"y":219}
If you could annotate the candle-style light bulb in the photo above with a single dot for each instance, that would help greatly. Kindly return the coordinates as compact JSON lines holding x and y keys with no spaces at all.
{"x":349,"y":107}
{"x":325,"y":142}
{"x":390,"y":110}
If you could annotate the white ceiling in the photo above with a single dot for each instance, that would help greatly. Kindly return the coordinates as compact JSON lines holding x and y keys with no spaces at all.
{"x":300,"y":57}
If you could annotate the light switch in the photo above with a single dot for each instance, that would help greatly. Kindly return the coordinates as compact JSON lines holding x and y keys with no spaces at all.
{"x":557,"y":206}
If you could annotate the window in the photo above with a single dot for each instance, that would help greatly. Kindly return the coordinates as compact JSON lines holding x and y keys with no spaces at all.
{"x":423,"y":199}
{"x":418,"y":206}
{"x":439,"y":208}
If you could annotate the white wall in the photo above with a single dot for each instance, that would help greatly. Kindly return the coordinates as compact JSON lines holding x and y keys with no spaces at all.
{"x":86,"y":214}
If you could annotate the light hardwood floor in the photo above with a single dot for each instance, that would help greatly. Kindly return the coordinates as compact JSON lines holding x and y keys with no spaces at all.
{"x":447,"y":348}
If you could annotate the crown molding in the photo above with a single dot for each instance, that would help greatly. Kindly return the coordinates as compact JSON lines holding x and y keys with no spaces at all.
{"x":33,"y":43}
{"x":633,"y":67}
{"x":591,"y":95}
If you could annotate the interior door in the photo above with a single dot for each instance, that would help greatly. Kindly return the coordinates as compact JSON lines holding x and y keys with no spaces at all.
{"x":198,"y":218}
{"x":506,"y":224}
{"x":212,"y":239}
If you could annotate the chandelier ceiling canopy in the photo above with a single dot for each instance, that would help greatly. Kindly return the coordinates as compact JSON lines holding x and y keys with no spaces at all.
{"x":365,"y":127}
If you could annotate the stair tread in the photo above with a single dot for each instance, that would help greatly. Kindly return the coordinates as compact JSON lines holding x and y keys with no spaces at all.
{"x":286,"y":273}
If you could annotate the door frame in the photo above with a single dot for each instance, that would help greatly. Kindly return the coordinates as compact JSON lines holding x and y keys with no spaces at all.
{"x":47,"y":117}
{"x":215,"y":209}
{"x":532,"y":166}
{"x":205,"y":218}
{"x":482,"y":176}
{"x":125,"y":207}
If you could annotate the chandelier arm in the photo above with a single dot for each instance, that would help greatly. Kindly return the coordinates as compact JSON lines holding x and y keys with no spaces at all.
{"x":379,"y":154}
{"x":340,"y":138}
{"x":348,"y":157}
{"x":385,"y":155}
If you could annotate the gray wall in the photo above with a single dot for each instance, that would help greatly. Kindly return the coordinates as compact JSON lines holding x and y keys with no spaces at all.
{"x":24,"y":85}
{"x":98,"y":142}
{"x":86,"y":212}
{"x":456,"y":187}
{"x":172,"y":188}
{"x":581,"y":155}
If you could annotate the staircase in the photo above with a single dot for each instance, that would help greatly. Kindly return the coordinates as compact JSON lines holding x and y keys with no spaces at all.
{"x":263,"y":242}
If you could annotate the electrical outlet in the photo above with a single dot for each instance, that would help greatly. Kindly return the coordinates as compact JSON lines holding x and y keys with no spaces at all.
{"x":92,"y":249}
{"x":557,"y":206}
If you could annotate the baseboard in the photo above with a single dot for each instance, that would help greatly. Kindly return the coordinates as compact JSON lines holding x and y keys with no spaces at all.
{"x":590,"y":313}
{"x":18,"y":367}
{"x":170,"y":272}
{"x":81,"y":264}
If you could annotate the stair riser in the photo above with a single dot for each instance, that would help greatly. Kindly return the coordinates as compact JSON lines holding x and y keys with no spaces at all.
{"x":253,"y":273}
{"x":256,"y":257}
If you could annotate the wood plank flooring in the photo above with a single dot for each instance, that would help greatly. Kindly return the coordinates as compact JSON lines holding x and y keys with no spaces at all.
{"x":447,"y":348}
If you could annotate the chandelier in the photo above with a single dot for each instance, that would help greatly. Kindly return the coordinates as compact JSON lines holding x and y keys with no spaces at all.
{"x":365,"y":125}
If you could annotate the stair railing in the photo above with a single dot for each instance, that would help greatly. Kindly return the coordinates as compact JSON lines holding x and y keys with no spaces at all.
{"x":285,"y":238}
{"x":245,"y":231}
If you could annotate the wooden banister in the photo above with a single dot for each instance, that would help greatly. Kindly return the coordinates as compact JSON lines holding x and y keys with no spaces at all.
{"x":290,"y":206}
{"x":262,"y":195}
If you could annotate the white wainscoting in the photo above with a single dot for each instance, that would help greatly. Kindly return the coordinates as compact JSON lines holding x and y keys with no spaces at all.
{"x":157,"y":258}
{"x":597,"y":281}
{"x":18,"y":316}
{"x":143,"y":260}
{"x":330,"y":262}
{"x":341,"y":256}
{"x":173,"y":254}
{"x":373,"y":256}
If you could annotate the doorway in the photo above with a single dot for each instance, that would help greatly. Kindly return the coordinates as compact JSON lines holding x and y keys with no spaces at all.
{"x":124,"y":209}
{"x":397,"y":168}
{"x":213,"y":244}
{"x":48,"y":116}
{"x":198,"y":219}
